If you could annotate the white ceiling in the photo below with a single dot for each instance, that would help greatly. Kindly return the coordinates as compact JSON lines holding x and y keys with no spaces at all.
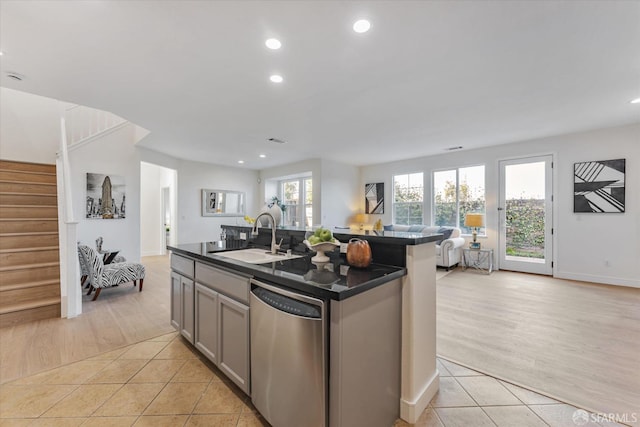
{"x":428,"y":75}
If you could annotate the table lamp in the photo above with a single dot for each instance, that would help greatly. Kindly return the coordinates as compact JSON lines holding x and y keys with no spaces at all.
{"x":475,"y":221}
{"x":360,"y":220}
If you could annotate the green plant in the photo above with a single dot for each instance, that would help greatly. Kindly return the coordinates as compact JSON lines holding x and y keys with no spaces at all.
{"x":276,"y":201}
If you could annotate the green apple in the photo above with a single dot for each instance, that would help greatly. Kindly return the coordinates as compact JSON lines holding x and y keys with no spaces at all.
{"x":317,"y":232}
{"x":313,"y":240}
{"x":326,"y":235}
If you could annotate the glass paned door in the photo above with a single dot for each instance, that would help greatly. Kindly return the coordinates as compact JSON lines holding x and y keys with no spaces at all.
{"x":526,"y":215}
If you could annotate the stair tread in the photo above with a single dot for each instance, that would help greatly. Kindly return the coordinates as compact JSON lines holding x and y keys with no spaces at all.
{"x":29,"y":284}
{"x":30,"y":172}
{"x":28,"y":219}
{"x":30,"y":304}
{"x":28,"y":233}
{"x":22,"y":193}
{"x":24,"y":266}
{"x":33,"y":248}
{"x":12,"y":181}
{"x":28,"y":206}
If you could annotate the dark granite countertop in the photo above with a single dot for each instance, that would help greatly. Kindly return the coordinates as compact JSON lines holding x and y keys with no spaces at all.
{"x":344,"y":234}
{"x":333,"y":280}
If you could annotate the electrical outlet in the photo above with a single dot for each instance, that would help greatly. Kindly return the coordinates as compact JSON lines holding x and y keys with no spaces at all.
{"x":343,"y":248}
{"x":243,"y":236}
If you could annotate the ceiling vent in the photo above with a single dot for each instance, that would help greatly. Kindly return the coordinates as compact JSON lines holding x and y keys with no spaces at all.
{"x":15,"y":76}
{"x":276,"y":140}
{"x":457,"y":147}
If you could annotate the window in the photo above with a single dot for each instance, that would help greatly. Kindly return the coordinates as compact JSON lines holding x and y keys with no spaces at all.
{"x":456,"y":192}
{"x":408,"y":199}
{"x":297,"y":198}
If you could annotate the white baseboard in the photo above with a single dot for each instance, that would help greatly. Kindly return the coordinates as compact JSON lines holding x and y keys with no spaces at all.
{"x":605,"y":280}
{"x":410,"y":411}
{"x":150,"y":253}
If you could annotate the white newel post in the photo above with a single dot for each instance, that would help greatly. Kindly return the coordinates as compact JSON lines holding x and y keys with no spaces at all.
{"x":70,"y":291}
{"x":420,"y":379}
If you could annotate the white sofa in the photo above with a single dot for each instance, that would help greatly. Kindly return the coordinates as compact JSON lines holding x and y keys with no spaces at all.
{"x":448,"y":251}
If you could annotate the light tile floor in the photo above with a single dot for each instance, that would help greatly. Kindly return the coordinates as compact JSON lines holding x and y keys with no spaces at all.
{"x":467,"y":398}
{"x":163,"y":382}
{"x":158,"y":382}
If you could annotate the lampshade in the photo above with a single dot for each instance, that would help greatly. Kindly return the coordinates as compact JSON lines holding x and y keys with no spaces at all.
{"x":474,"y":220}
{"x":361,"y":218}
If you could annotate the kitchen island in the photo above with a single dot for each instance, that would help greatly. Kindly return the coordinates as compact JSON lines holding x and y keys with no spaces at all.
{"x":366,"y":337}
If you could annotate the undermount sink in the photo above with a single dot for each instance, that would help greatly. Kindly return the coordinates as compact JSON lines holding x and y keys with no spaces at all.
{"x":255,"y":256}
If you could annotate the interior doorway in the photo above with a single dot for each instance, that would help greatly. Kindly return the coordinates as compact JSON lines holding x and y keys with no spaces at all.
{"x":158,"y":212}
{"x":526,"y":215}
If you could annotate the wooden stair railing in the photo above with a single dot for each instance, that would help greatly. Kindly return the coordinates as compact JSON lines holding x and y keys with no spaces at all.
{"x":29,"y":253}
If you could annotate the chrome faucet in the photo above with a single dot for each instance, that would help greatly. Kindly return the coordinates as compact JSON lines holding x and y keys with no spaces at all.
{"x":254,"y":231}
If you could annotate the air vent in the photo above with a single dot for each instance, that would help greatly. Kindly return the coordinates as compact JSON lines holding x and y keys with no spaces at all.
{"x":276,"y":140}
{"x":457,"y":147}
{"x":15,"y":76}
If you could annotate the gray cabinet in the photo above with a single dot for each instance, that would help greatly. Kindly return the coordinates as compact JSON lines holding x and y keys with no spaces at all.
{"x":206,"y":321}
{"x":176,"y":311}
{"x":222,"y":321}
{"x":182,"y":295}
{"x":187,"y":305}
{"x":233,"y":326}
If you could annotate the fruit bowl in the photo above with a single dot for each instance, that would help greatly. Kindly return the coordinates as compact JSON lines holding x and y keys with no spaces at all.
{"x":321,"y":248}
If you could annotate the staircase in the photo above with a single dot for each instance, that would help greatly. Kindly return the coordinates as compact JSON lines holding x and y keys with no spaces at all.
{"x":29,"y":257}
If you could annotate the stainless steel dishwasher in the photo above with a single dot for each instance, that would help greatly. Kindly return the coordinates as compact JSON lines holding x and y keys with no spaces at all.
{"x":288,"y":357}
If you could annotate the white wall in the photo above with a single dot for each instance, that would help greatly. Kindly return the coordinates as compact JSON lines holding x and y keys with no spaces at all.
{"x":583,"y":242}
{"x":335,"y":188}
{"x":340,"y":193}
{"x":30,"y":130}
{"x":192,"y":178}
{"x":113,"y":154}
{"x":153,"y":179}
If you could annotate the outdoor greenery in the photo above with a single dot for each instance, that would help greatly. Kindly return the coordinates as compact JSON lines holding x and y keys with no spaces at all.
{"x":408,"y":203}
{"x":525,"y":228}
{"x":470,"y":200}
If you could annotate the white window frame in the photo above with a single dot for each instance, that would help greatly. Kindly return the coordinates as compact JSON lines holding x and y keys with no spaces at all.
{"x":393,"y":197}
{"x":482,"y":231}
{"x":302,"y":207}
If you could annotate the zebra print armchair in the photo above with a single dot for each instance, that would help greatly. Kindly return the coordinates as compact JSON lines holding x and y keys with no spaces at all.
{"x":105,"y":276}
{"x":85,"y":269}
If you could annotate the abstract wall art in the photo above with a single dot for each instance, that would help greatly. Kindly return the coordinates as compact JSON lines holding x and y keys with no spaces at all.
{"x":599,"y":186}
{"x":374,"y":198}
{"x":105,"y":196}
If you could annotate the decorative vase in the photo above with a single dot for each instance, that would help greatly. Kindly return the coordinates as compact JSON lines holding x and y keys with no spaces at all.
{"x":275,"y":212}
{"x":358,"y":253}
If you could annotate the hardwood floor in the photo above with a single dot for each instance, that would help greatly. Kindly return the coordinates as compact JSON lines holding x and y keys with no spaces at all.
{"x":121,"y":316}
{"x":577,"y":342}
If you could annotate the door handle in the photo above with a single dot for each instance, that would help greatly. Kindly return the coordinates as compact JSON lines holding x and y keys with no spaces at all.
{"x":500,"y":209}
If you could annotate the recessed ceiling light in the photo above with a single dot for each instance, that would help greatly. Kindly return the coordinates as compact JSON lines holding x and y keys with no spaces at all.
{"x":361,"y":26}
{"x":241,"y":161}
{"x":635,"y":101}
{"x":1,"y":53}
{"x":262,"y":156}
{"x":273,"y":44}
{"x":276,"y":78}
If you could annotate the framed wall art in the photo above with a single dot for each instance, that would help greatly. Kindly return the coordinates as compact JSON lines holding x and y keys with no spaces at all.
{"x":105,"y":197}
{"x":599,"y":186}
{"x":374,"y":198}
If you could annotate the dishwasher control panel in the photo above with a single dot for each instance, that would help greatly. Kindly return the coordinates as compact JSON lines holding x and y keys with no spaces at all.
{"x":286,"y":304}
